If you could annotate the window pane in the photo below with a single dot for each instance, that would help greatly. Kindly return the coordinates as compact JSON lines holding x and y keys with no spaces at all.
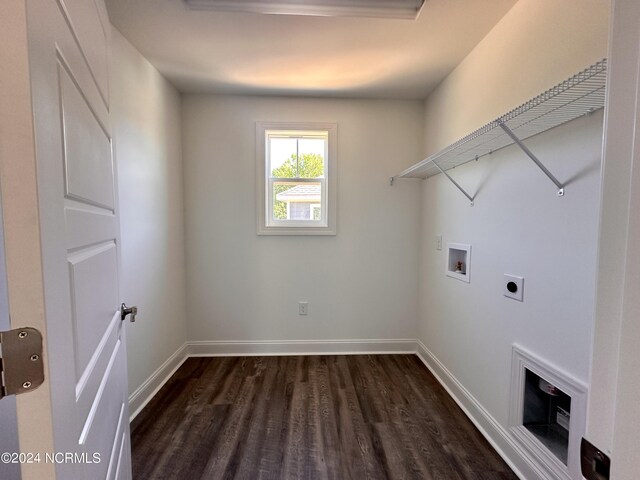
{"x":311,"y":157}
{"x":297,"y":157}
{"x":282,"y":156}
{"x":316,"y":212}
{"x":297,"y":201}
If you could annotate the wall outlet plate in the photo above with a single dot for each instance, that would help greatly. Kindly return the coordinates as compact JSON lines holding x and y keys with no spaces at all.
{"x":513,"y":287}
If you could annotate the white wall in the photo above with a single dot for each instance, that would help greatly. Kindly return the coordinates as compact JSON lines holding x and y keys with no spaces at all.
{"x":518,"y":225}
{"x":360,"y":284}
{"x":536,"y":45}
{"x":146,"y":125}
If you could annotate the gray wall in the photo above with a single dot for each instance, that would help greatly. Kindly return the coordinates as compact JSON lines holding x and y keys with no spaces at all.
{"x":360,"y":284}
{"x":146,"y":121}
{"x":518,"y":225}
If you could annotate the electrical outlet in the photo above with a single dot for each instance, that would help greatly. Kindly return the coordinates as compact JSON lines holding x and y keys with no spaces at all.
{"x":438,"y":242}
{"x":303,"y":308}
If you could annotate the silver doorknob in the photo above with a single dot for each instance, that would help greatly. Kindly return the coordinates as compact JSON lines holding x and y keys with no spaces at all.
{"x":124,"y":311}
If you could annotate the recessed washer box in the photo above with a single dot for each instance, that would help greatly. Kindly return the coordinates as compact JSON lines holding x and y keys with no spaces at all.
{"x":513,"y":287}
{"x":459,"y":261}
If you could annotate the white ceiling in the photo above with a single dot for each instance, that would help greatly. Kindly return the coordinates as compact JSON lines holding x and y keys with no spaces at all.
{"x":246,"y":53}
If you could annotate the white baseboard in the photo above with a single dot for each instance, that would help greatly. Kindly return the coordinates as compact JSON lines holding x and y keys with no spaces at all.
{"x":495,"y":434}
{"x":300,"y":347}
{"x":145,"y":392}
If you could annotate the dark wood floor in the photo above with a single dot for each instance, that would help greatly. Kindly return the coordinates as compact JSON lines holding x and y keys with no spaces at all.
{"x":333,"y":417}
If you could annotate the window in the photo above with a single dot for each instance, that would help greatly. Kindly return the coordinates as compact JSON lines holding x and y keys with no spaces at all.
{"x":296,"y":178}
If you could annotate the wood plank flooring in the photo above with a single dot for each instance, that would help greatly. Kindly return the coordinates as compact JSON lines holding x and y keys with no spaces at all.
{"x":308,"y":417}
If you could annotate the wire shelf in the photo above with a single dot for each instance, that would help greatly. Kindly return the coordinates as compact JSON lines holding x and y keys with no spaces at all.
{"x":579,"y":95}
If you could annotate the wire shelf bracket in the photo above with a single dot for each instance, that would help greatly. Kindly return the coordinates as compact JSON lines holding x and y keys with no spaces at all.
{"x":579,"y":95}
{"x":457,"y":185}
{"x":530,"y":154}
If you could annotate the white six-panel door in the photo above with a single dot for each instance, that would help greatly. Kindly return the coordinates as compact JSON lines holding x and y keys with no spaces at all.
{"x":79,"y":228}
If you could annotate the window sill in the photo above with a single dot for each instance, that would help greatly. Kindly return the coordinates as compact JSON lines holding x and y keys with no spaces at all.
{"x":296,"y":231}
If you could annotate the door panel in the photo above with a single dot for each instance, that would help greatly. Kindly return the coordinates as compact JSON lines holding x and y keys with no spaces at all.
{"x":124,"y":457}
{"x":87,"y":149}
{"x":118,"y":446}
{"x":69,"y":55}
{"x":91,"y":33}
{"x":100,"y":429}
{"x":94,"y":278}
{"x":89,"y":384}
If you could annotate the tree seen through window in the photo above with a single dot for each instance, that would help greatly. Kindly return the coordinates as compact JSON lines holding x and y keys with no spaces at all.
{"x":304,"y":165}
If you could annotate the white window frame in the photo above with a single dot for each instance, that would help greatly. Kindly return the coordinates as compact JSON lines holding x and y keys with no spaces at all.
{"x":266,"y":225}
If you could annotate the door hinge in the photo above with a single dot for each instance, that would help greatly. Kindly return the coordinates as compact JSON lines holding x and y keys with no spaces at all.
{"x":21,"y":366}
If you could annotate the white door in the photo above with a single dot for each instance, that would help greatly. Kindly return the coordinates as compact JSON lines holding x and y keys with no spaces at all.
{"x":86,"y":414}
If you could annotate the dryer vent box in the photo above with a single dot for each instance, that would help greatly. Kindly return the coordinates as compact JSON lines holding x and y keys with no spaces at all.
{"x":513,"y":287}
